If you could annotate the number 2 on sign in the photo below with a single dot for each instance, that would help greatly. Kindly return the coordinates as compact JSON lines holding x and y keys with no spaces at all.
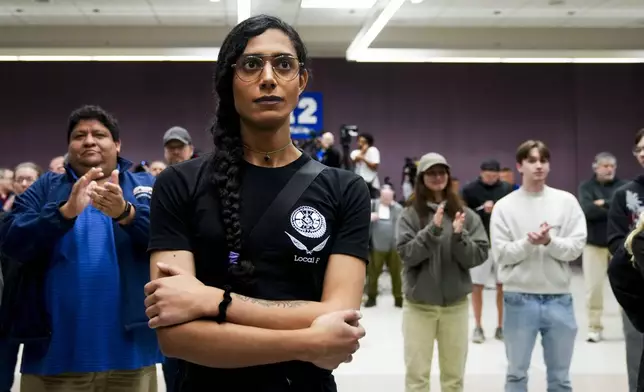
{"x":307,"y":116}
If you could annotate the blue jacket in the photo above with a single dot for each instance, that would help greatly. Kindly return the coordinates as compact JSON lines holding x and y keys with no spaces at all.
{"x":29,"y":233}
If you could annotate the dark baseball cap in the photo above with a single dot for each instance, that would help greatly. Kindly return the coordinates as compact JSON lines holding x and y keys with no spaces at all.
{"x":491,"y":165}
{"x":177,"y":133}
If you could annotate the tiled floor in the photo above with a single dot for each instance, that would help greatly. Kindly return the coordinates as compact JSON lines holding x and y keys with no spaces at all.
{"x":378,"y":366}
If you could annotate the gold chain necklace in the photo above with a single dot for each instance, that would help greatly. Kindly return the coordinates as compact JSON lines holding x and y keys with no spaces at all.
{"x":267,"y":154}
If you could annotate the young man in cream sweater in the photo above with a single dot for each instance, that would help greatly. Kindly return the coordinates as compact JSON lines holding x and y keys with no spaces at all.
{"x":536,"y":232}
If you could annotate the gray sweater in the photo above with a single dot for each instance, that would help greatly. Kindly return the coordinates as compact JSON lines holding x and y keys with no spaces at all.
{"x":383,"y":231}
{"x":436,"y":261}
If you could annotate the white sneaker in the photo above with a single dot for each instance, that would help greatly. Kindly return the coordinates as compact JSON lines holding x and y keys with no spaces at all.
{"x":594,"y":337}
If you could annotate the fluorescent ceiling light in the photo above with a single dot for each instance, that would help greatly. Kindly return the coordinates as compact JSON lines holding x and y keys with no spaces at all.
{"x":387,"y":55}
{"x":106,"y":58}
{"x":109,"y":54}
{"x":338,"y":4}
{"x":529,"y":60}
{"x":243,"y":10}
{"x":370,"y":31}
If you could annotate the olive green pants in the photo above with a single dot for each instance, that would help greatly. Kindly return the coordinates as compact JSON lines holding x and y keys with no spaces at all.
{"x":139,"y":380}
{"x":394,"y":265}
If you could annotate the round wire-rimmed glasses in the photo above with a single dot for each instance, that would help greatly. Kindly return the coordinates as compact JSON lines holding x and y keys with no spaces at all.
{"x":249,"y":67}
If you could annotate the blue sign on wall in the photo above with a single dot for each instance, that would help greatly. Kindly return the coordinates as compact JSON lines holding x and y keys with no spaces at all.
{"x":307,"y":118}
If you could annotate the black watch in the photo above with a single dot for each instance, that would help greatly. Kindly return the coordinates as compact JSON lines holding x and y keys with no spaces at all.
{"x":126,"y":213}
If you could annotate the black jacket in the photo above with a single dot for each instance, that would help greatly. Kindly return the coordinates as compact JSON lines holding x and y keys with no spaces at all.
{"x":476,"y":193}
{"x":597,"y":217}
{"x":626,"y":277}
{"x":625,"y":280}
{"x":332,"y":157}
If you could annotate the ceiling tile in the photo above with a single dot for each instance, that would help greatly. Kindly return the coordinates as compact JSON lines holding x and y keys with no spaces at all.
{"x":117,"y":9}
{"x":203,"y":20}
{"x":331,"y":17}
{"x":45,"y":9}
{"x":54,"y":20}
{"x":470,"y":12}
{"x":122,"y":20}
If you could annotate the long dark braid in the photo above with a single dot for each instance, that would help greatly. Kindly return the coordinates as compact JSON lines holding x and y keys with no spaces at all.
{"x":225,"y":164}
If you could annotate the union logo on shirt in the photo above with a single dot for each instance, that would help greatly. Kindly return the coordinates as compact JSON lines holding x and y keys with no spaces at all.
{"x":308,"y":222}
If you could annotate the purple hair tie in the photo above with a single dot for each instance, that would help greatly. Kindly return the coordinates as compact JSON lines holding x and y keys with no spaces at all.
{"x":232,"y":257}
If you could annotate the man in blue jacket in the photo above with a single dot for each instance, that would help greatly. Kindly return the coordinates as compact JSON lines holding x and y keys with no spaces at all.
{"x":81,"y":238}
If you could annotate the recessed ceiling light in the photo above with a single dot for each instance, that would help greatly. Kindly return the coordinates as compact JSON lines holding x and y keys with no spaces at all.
{"x":416,"y":1}
{"x":214,"y":1}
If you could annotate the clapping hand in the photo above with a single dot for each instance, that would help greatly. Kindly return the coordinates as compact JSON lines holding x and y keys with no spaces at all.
{"x":79,"y":198}
{"x":108,"y":198}
{"x":459,"y":221}
{"x":541,"y":237}
{"x":438,"y":216}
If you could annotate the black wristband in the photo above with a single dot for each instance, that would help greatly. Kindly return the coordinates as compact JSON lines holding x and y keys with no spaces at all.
{"x":223,"y":305}
{"x":125,"y":213}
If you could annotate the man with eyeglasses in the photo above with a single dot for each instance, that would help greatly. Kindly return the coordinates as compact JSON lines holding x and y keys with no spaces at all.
{"x":25,"y":175}
{"x":626,"y":281}
{"x":177,"y":145}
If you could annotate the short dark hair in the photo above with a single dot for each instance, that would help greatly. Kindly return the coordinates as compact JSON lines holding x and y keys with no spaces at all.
{"x":523,"y":152}
{"x":639,"y":135}
{"x":92,"y":112}
{"x":368,"y":137}
{"x":506,"y":169}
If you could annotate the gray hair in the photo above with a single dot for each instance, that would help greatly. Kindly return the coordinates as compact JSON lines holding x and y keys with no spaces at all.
{"x":604,"y":156}
{"x":29,"y":165}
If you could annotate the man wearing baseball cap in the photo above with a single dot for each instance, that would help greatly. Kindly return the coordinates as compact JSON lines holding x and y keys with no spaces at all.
{"x":177,"y":145}
{"x":481,"y":195}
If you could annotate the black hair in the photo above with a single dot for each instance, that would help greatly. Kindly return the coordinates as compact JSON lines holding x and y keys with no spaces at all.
{"x":368,"y":138}
{"x":142,"y":167}
{"x":638,"y":136}
{"x":225,"y":162}
{"x":92,"y":112}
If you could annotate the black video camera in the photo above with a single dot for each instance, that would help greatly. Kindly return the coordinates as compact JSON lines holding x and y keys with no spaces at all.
{"x":348,"y":132}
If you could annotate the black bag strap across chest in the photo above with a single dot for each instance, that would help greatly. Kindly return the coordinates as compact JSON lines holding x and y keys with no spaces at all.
{"x":281,"y":206}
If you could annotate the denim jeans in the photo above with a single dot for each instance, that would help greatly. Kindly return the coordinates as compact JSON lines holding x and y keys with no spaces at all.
{"x":527,"y":315}
{"x":8,"y":359}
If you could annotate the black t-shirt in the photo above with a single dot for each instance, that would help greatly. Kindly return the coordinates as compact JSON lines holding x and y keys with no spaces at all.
{"x":331,"y":217}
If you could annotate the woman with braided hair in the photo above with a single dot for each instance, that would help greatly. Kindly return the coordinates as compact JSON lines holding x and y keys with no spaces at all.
{"x":248,"y":303}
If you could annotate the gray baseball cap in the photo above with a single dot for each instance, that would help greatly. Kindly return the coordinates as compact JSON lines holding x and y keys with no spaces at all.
{"x":431,"y":159}
{"x":177,"y":133}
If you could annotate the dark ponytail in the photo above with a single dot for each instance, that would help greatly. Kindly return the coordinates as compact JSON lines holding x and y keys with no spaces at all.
{"x":225,"y":164}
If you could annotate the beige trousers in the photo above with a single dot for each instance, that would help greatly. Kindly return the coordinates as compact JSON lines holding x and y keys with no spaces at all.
{"x":595,"y":267}
{"x":448,"y":327}
{"x":140,"y":380}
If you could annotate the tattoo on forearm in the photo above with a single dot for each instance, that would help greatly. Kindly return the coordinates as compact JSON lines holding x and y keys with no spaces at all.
{"x":271,"y":304}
